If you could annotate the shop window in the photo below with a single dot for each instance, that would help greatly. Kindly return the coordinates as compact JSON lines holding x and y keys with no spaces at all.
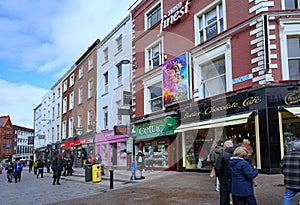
{"x":210,"y":23}
{"x":153,"y":16}
{"x":157,"y":151}
{"x":291,"y":4}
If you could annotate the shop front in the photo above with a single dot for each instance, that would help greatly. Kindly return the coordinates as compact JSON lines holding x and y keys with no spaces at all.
{"x":112,"y":148}
{"x":267,"y":116}
{"x":157,"y":140}
{"x":83,"y":150}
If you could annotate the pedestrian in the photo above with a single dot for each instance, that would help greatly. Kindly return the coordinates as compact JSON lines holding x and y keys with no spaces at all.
{"x":57,"y":167}
{"x":132,"y":170}
{"x":150,"y":158}
{"x":40,"y":167}
{"x":290,"y":168}
{"x":140,"y":158}
{"x":213,"y":158}
{"x":251,"y":157}
{"x":223,"y":173}
{"x":30,"y":165}
{"x":48,"y":165}
{"x":18,"y":166}
{"x":35,"y":167}
{"x":242,"y":174}
{"x":9,"y":172}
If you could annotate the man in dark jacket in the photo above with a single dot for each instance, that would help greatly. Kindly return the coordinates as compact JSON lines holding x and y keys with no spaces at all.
{"x":290,"y":168}
{"x":57,"y":167}
{"x":223,"y":173}
{"x":40,"y":166}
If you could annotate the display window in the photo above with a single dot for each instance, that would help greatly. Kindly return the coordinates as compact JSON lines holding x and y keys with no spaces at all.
{"x":156,"y":153}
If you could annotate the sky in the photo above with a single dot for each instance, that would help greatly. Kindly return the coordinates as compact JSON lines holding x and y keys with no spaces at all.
{"x":40,"y":40}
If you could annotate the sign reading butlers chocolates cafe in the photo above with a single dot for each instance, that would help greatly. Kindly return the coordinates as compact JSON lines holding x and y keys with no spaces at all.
{"x":156,"y":128}
{"x":216,"y":108}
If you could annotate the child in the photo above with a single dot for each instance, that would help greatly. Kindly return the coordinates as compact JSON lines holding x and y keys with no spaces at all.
{"x":132,"y":169}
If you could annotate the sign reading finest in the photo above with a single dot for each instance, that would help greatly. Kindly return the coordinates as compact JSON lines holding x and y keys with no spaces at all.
{"x":175,"y":13}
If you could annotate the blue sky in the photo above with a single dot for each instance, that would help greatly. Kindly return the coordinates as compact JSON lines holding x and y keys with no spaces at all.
{"x":40,"y":40}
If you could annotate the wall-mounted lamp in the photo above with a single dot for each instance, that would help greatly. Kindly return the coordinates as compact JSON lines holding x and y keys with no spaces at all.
{"x":127,"y":62}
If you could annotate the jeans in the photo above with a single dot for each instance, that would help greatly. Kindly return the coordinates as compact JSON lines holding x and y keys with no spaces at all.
{"x":244,"y":200}
{"x":289,"y":196}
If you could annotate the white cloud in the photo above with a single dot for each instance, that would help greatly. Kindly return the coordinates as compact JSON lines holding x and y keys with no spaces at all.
{"x":18,"y":101}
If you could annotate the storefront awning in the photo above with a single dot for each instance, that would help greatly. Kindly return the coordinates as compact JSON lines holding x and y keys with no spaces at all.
{"x":219,"y":122}
{"x":294,"y":110}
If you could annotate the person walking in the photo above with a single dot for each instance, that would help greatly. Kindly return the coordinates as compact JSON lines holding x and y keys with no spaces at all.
{"x":132,"y":170}
{"x":223,"y":173}
{"x":48,"y":165}
{"x":35,"y":167}
{"x":57,"y":167}
{"x":40,"y":167}
{"x":9,"y":172}
{"x":213,"y":158}
{"x":30,"y":165}
{"x":242,"y":174}
{"x":150,"y":158}
{"x":290,"y":164}
{"x":18,"y":170}
{"x":140,"y":158}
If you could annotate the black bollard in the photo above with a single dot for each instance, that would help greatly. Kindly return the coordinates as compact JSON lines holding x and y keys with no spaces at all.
{"x":111,"y":178}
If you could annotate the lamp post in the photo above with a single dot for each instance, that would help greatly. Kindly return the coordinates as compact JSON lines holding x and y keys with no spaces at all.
{"x":126,"y":61}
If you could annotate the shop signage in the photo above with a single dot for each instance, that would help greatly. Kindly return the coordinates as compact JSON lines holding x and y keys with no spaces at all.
{"x":175,"y":80}
{"x":121,"y":129}
{"x":175,"y":14}
{"x":156,"y":128}
{"x":292,"y":98}
{"x":7,"y":146}
{"x":30,"y":140}
{"x":126,"y":98}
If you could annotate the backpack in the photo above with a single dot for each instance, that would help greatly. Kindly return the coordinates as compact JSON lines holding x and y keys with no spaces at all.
{"x":140,"y":159}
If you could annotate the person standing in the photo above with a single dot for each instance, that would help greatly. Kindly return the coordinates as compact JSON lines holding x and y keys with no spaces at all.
{"x":223,"y":173}
{"x":290,"y":164}
{"x":9,"y":172}
{"x":18,"y":170}
{"x":35,"y":167}
{"x":132,"y":170}
{"x":40,"y":167}
{"x":242,"y":174}
{"x":30,"y":165}
{"x":140,"y":158}
{"x":150,"y":158}
{"x":213,"y":158}
{"x":48,"y":165}
{"x":57,"y":167}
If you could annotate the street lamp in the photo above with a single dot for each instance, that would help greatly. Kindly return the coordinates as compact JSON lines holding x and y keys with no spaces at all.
{"x":126,"y":61}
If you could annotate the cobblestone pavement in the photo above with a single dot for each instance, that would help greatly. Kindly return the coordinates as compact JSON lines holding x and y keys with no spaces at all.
{"x":158,"y":187}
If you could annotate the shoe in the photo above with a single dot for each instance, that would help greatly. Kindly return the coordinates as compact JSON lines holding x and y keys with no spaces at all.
{"x":58,"y":184}
{"x":53,"y":183}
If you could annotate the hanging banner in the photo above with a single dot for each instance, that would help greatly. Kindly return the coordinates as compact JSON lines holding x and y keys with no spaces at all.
{"x":175,"y":80}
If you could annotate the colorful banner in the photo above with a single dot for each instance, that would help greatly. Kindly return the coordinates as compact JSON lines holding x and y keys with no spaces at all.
{"x":175,"y":80}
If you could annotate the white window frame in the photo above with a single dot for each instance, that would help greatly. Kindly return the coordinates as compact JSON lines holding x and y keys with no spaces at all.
{"x":91,"y":63}
{"x":71,"y":127}
{"x":64,"y":129}
{"x":147,"y":96}
{"x":288,"y":28}
{"x":65,"y":86}
{"x":90,"y":88}
{"x":79,"y":121}
{"x":119,"y":74}
{"x":80,"y":72}
{"x":105,"y":55}
{"x":105,"y":117}
{"x":71,"y":102}
{"x":151,"y":10}
{"x":221,"y":49}
{"x":80,"y":95}
{"x":203,"y":12}
{"x":119,"y":43}
{"x":90,"y":120}
{"x":149,"y":52}
{"x":65,"y":101}
{"x":105,"y":82}
{"x":72,"y":78}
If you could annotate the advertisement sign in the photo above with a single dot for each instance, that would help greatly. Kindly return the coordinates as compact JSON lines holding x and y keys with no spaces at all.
{"x":175,"y":80}
{"x":121,"y":129}
{"x":30,"y":140}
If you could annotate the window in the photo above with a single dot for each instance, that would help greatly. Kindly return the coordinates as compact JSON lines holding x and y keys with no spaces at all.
{"x":71,"y":97}
{"x":80,"y":95}
{"x":105,"y":117}
{"x":213,"y":77}
{"x":79,"y":123}
{"x":53,"y":96}
{"x":119,"y":74}
{"x":64,"y":129}
{"x":58,"y":93}
{"x":65,"y":105}
{"x":65,"y":87}
{"x":57,"y":133}
{"x":119,"y":43}
{"x":90,"y":120}
{"x":70,"y":127}
{"x":210,"y":23}
{"x":155,"y":56}
{"x":153,"y":16}
{"x":58,"y":110}
{"x":80,"y":72}
{"x":90,"y":88}
{"x":292,"y":4}
{"x":105,"y":54}
{"x":91,"y":63}
{"x":293,"y":52}
{"x":72,"y":80}
{"x":155,"y":97}
{"x":105,"y":82}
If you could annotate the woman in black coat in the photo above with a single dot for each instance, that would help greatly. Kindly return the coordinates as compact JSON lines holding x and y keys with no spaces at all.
{"x":57,"y":167}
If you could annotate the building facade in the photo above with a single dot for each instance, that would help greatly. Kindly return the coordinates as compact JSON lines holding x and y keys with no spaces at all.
{"x":7,"y":138}
{"x":25,"y":142}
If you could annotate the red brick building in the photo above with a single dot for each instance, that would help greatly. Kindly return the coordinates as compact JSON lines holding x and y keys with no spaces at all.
{"x":7,"y":138}
{"x":215,"y":70}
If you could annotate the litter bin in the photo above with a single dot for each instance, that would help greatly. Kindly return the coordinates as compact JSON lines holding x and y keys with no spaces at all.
{"x":96,"y":173}
{"x":88,"y":172}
